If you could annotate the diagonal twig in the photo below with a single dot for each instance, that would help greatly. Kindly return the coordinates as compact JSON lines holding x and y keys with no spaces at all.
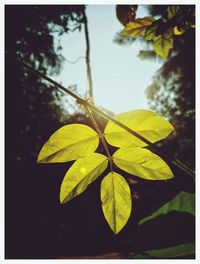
{"x":93,"y":108}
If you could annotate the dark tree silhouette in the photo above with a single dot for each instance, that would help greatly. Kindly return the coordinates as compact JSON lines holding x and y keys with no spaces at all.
{"x":33,"y":110}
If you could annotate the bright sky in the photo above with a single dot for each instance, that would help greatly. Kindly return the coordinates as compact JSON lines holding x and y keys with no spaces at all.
{"x":119,"y":76}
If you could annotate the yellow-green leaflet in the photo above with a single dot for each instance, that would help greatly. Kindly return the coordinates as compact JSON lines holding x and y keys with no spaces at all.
{"x":137,"y":27}
{"x":68,"y":143}
{"x":81,"y":174}
{"x":163,"y":43}
{"x":146,"y":123}
{"x":116,"y":201}
{"x":142,"y":163}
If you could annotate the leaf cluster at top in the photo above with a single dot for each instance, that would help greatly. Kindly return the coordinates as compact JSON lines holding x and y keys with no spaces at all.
{"x":163,"y":31}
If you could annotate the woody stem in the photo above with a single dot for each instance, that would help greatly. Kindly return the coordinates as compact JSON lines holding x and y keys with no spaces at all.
{"x":101,"y":136}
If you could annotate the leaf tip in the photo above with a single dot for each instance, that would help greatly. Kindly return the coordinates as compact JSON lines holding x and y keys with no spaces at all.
{"x":117,"y":230}
{"x":62,"y":199}
{"x":39,"y":160}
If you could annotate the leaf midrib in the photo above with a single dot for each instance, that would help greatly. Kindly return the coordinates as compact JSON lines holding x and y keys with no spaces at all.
{"x":64,"y":148}
{"x":76,"y":186}
{"x":114,"y":201}
{"x":140,"y":164}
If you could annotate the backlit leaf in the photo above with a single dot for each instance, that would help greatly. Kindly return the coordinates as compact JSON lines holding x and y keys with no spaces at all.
{"x":146,"y":123}
{"x":163,"y":43}
{"x":68,"y":143}
{"x":137,"y":27}
{"x":142,"y":163}
{"x":83,"y":172}
{"x":116,"y":201}
{"x":182,"y":202}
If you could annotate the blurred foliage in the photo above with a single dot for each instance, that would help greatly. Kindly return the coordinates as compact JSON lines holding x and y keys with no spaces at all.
{"x":180,"y":251}
{"x":182,"y":202}
{"x":123,"y":40}
{"x":160,"y":30}
{"x":34,"y":109}
{"x":172,"y":92}
{"x":126,"y":13}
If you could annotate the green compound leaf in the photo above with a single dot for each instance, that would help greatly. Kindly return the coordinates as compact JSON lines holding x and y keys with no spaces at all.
{"x":83,"y":172}
{"x":116,"y":201}
{"x":182,"y":202}
{"x":163,"y":43}
{"x":146,"y":123}
{"x":142,"y":163}
{"x":137,"y":27}
{"x":68,"y":143}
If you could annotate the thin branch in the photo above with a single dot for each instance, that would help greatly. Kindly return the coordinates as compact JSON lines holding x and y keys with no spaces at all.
{"x":101,"y":136}
{"x":83,"y":102}
{"x":57,"y":85}
{"x":87,"y":57}
{"x":74,"y":62}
